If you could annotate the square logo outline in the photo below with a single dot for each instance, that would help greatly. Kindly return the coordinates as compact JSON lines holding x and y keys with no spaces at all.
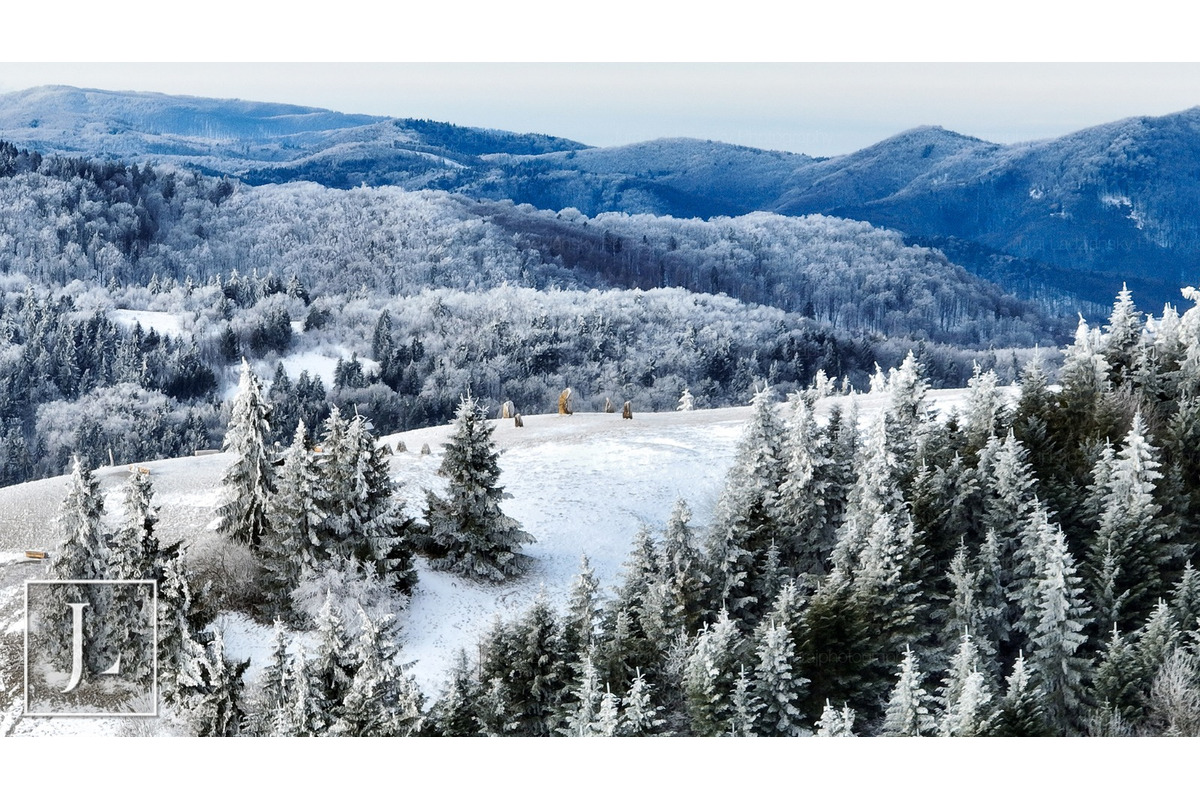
{"x":154,"y":661}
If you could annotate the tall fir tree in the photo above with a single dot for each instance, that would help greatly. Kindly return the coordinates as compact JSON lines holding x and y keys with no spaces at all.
{"x":745,"y":521}
{"x":249,"y":479}
{"x":908,"y":708}
{"x":292,"y":542}
{"x":1128,"y":554}
{"x":468,"y":528}
{"x":381,"y":699}
{"x":1062,"y":671}
{"x":777,"y":685}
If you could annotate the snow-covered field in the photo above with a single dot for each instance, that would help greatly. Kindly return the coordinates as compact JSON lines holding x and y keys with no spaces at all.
{"x":581,"y":484}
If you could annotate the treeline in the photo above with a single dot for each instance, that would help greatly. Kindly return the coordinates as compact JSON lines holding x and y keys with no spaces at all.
{"x":105,"y":222}
{"x":78,"y":380}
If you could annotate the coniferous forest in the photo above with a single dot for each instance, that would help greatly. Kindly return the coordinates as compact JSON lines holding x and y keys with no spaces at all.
{"x":877,"y":561}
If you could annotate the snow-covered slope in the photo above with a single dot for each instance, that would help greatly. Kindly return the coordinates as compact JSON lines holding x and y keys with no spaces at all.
{"x":579,"y":484}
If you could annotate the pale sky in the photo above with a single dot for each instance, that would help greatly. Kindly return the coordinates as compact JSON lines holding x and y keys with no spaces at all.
{"x":831,"y":77}
{"x":819,"y":109}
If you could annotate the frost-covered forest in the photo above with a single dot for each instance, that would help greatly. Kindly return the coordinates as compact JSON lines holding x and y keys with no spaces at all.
{"x":128,"y":295}
{"x":1022,"y":567}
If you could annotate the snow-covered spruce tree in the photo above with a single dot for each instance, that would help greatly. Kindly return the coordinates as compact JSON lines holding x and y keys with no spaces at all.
{"x":777,"y":685}
{"x":686,"y":401}
{"x":986,"y":413}
{"x":639,"y":715}
{"x":908,"y":709}
{"x":583,"y":613}
{"x":875,"y":492}
{"x":1185,"y":600}
{"x":608,"y":718}
{"x":745,"y":522}
{"x":179,"y":652}
{"x":536,"y":671}
{"x":681,"y":573}
{"x":581,"y":718}
{"x":804,"y":531}
{"x":456,"y":712}
{"x":1120,"y":680}
{"x":331,"y":668}
{"x":132,"y":552}
{"x":711,"y":672}
{"x":1121,"y":337}
{"x":634,"y":634}
{"x":887,"y":592}
{"x":215,"y":706}
{"x":1062,"y":673}
{"x":1022,"y":711}
{"x":292,"y":541}
{"x":83,"y":555}
{"x":834,"y":722}
{"x":965,"y":694}
{"x":249,"y":480}
{"x":1127,"y":556}
{"x":361,"y":516}
{"x":746,"y":705}
{"x":907,"y":418}
{"x":133,"y":547}
{"x":474,"y":536}
{"x":303,"y":715}
{"x":268,"y":704}
{"x":381,"y":699}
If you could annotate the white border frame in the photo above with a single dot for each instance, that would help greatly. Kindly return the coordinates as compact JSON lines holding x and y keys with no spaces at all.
{"x":25,"y":712}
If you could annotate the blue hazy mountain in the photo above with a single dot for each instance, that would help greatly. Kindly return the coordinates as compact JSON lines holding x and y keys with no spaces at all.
{"x":1073,"y":215}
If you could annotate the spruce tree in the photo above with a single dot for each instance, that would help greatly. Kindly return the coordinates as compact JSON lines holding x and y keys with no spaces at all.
{"x":475,"y":537}
{"x":639,"y":715}
{"x":681,"y":573}
{"x":745,"y":521}
{"x":331,"y":669}
{"x":1022,"y":711}
{"x":82,"y":554}
{"x":249,"y":480}
{"x":1062,"y":672}
{"x":777,"y":684}
{"x":834,"y":722}
{"x":215,"y":706}
{"x":585,"y":705}
{"x":1185,"y":600}
{"x":746,"y":706}
{"x":293,"y":542}
{"x":361,"y":516}
{"x":381,"y":700}
{"x":536,"y":666}
{"x":710,"y":676}
{"x":804,"y":528}
{"x":456,"y":712}
{"x":908,"y":712}
{"x":1127,"y":555}
{"x":583,"y":613}
{"x":269,"y":707}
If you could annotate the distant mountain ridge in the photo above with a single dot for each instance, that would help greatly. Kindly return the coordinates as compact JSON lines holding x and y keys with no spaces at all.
{"x":1110,"y":203}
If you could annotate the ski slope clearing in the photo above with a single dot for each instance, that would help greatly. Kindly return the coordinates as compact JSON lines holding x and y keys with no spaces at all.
{"x":581,"y":484}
